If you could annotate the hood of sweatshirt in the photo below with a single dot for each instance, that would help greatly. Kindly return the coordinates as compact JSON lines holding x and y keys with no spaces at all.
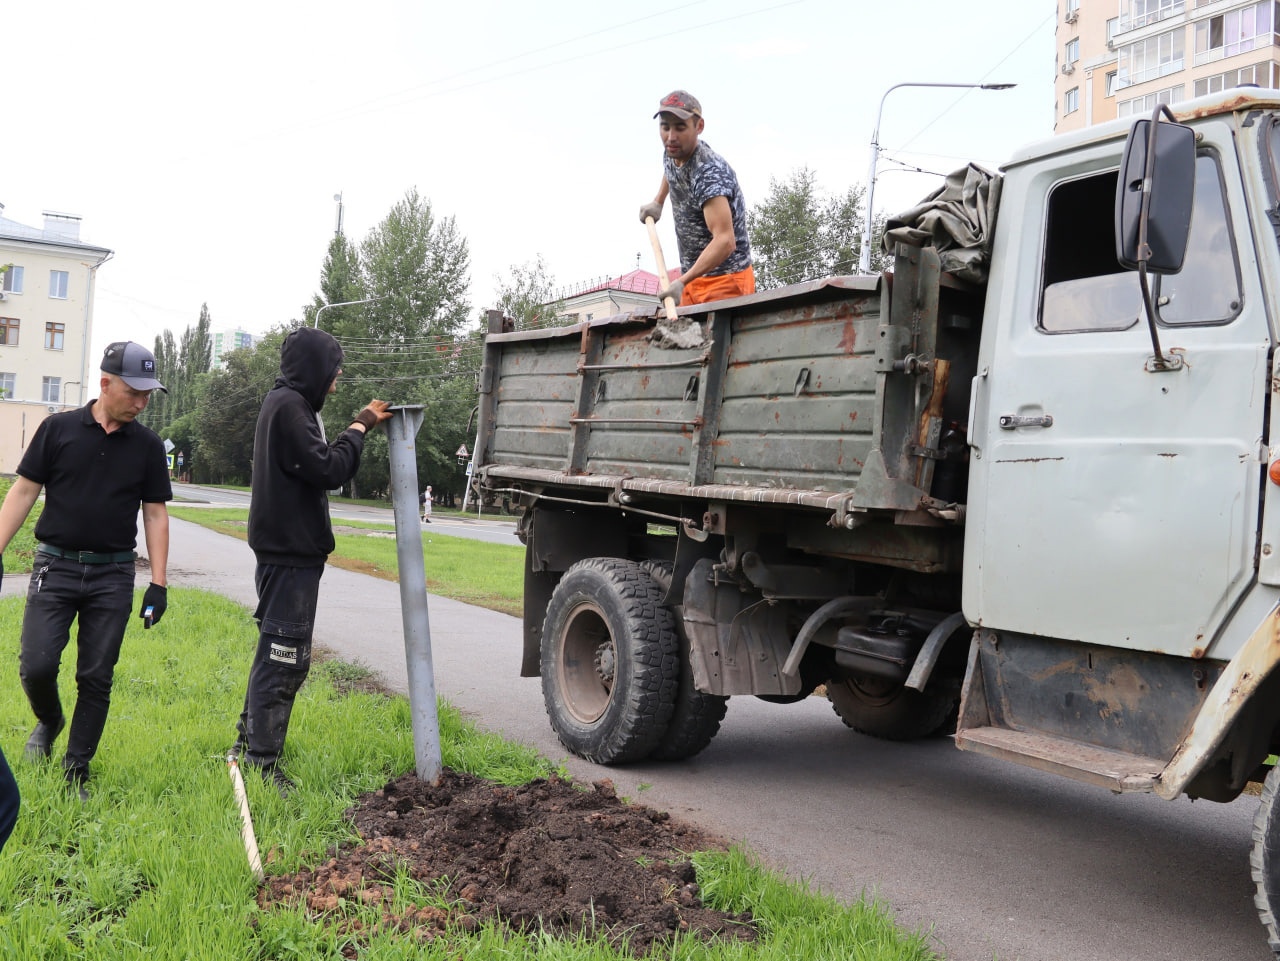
{"x":309,"y":361}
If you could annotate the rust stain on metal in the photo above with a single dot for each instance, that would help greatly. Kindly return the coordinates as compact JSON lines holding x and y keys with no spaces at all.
{"x":1027,"y":460}
{"x":644,"y":382}
{"x":1119,"y":691}
{"x":853,"y":415}
{"x":849,"y":337}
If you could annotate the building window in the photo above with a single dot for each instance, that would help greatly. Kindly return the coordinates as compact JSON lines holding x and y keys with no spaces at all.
{"x":54,"y":335}
{"x":1071,"y":101}
{"x":1111,"y":83}
{"x":8,"y":384}
{"x":11,"y":280}
{"x":1238,"y":31}
{"x":51,"y":390}
{"x":1259,"y":73}
{"x":58,"y":284}
{"x":1144,"y":12}
{"x":1144,"y":105}
{"x":1073,"y":50}
{"x":1073,"y":6}
{"x":1154,"y":57}
{"x":9,"y":331}
{"x":1113,"y":27}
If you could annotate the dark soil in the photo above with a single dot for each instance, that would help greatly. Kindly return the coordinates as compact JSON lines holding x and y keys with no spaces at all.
{"x":545,"y":856}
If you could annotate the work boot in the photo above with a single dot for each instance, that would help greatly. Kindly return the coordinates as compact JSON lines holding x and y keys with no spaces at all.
{"x":40,"y":743}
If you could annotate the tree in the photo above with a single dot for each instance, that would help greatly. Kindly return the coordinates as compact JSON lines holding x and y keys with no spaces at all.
{"x":527,"y":296}
{"x":227,"y":412}
{"x":798,"y":233}
{"x":340,"y":283}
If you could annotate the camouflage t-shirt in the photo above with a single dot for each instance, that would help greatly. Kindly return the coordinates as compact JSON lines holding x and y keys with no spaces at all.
{"x":704,"y":176}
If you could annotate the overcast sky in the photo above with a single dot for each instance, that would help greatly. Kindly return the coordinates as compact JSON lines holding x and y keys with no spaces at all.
{"x":204,"y":144}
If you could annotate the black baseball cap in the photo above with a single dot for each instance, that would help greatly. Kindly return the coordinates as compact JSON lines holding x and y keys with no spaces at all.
{"x":133,"y":364}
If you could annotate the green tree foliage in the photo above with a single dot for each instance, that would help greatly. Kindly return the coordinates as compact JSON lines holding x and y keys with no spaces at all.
{"x":527,"y":296}
{"x":798,"y":233}
{"x":182,"y":368}
{"x":227,"y":412}
{"x":411,"y":340}
{"x":340,"y":283}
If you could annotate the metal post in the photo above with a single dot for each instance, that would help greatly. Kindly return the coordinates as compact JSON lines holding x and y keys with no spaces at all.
{"x":342,"y":303}
{"x":401,"y":431}
{"x":864,"y":255}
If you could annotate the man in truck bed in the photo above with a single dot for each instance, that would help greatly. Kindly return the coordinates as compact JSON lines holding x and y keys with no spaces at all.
{"x":709,"y":209}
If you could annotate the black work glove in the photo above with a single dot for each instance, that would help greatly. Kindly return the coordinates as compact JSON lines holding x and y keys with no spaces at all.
{"x":154,"y":602}
{"x":1,"y":568}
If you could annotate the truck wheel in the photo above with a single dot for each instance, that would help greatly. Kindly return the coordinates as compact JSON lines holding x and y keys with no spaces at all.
{"x":697,"y":715}
{"x":1264,"y":859}
{"x":889,"y":709}
{"x":610,"y":661}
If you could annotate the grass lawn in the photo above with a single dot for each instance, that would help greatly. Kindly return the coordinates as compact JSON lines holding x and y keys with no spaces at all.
{"x":153,"y":865}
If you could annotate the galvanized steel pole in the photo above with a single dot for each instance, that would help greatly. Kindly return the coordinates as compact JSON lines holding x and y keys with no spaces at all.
{"x":401,"y":431}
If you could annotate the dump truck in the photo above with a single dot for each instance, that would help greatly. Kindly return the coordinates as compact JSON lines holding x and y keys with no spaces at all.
{"x":1021,"y":489}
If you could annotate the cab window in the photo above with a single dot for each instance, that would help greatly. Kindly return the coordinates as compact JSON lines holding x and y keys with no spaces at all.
{"x":1085,"y":289}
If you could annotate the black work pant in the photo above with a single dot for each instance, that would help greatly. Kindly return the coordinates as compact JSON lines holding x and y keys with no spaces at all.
{"x":287,"y":598}
{"x":99,"y":597}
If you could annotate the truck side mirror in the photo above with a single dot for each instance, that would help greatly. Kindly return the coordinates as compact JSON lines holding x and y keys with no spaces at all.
{"x":1154,"y":195}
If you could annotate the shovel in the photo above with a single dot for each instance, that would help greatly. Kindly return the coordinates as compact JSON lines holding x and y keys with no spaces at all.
{"x":668,"y":302}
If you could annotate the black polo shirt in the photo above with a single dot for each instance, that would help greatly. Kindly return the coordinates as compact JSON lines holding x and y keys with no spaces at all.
{"x":94,"y":482}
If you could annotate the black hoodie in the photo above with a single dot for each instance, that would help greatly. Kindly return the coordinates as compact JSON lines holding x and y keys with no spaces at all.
{"x":294,"y":468}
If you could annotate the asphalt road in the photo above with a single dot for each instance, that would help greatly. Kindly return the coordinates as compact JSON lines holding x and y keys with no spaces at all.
{"x":997,"y":861}
{"x":455,"y":525}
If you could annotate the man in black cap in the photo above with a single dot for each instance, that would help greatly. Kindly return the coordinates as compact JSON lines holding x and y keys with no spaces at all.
{"x":96,"y":465}
{"x":707,"y":204}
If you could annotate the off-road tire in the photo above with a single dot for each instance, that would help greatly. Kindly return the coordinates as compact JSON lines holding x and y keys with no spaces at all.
{"x":888,"y":709}
{"x":1264,"y":859}
{"x":610,"y":661}
{"x":697,"y":715}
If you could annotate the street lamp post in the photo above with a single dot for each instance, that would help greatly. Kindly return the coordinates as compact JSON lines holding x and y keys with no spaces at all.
{"x":864,"y":257}
{"x":341,"y":303}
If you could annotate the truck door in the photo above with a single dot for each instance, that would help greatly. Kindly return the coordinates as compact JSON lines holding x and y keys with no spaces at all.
{"x":1110,"y":503}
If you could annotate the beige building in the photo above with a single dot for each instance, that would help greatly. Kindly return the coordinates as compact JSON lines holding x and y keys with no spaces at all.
{"x":636,"y":290}
{"x":46,"y":323}
{"x":1118,"y":58}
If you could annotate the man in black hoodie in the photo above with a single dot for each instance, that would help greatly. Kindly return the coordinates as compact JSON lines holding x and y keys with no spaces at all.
{"x":294,"y":467}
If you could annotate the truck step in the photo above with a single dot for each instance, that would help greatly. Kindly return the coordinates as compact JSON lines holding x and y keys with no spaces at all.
{"x":1113,"y":770}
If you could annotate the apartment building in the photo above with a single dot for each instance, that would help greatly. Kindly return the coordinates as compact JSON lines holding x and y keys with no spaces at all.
{"x":1118,"y":58}
{"x":46,"y":324}
{"x":225,"y":341}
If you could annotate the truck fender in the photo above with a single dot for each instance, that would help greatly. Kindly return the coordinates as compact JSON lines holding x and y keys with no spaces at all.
{"x":1230,"y":694}
{"x":932,"y":649}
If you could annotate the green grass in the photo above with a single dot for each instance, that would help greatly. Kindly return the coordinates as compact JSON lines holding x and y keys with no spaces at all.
{"x":475,"y":572}
{"x":153,"y":865}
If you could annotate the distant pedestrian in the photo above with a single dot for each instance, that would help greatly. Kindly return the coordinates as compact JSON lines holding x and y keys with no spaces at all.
{"x":97,"y":467}
{"x":294,"y":468}
{"x":426,"y":505}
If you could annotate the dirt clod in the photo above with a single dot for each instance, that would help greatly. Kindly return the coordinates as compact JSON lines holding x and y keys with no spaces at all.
{"x":543,"y":856}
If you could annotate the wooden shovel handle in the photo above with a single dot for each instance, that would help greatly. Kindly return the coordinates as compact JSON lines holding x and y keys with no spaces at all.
{"x":663,"y":280}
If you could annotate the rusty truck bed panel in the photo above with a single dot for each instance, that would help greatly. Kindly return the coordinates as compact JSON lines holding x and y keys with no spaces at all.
{"x":794,"y":410}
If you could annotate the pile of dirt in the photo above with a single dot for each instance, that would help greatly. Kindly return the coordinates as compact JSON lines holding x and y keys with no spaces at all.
{"x":543,"y":856}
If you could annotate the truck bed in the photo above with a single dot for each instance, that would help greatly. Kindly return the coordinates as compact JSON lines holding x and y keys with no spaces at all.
{"x":784,"y":397}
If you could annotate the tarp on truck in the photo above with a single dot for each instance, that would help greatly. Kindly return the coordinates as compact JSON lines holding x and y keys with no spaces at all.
{"x":958,"y":220}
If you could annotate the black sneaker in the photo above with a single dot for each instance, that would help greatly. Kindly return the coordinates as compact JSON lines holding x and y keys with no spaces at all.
{"x":78,"y":784}
{"x":40,"y":743}
{"x":274,"y":775}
